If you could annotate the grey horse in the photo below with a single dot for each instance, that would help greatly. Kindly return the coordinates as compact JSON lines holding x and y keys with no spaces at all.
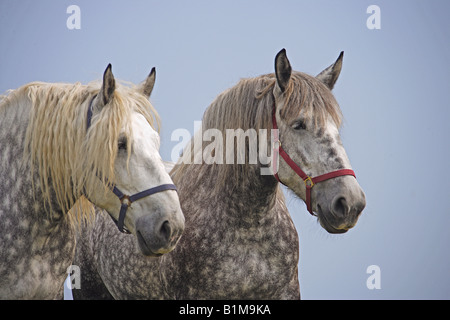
{"x":240,"y":241}
{"x":61,"y":144}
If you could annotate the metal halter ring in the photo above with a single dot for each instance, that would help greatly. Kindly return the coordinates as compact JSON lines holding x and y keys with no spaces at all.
{"x":308,"y":182}
{"x":126,"y":200}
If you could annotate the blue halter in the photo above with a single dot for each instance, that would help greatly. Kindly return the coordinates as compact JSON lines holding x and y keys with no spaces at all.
{"x":126,"y":200}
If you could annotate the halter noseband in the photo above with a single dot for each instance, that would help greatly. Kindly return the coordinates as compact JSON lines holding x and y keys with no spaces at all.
{"x":126,"y":200}
{"x":309,"y":181}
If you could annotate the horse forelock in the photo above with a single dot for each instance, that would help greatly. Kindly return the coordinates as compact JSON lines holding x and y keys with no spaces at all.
{"x":67,"y":159}
{"x":306,"y":94}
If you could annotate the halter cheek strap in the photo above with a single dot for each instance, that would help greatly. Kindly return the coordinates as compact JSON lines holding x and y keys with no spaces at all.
{"x":309,"y":181}
{"x":125,"y":200}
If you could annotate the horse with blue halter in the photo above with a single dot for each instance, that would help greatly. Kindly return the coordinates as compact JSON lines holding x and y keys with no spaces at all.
{"x":240,"y":241}
{"x":61,"y":144}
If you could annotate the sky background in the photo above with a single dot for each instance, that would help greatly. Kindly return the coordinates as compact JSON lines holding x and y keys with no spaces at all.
{"x":393,"y":90}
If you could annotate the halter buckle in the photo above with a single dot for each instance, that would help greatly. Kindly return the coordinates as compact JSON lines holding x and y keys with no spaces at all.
{"x":308,"y":182}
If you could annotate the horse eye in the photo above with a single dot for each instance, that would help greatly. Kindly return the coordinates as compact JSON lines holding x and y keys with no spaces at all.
{"x":122,"y":144}
{"x":299,"y":125}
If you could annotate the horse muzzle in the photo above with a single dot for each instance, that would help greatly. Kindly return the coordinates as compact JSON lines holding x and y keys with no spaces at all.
{"x":341,"y":213}
{"x":158,"y":234}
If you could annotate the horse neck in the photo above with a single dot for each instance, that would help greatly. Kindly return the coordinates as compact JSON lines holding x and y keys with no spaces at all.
{"x":244,"y":198}
{"x":253,"y":191}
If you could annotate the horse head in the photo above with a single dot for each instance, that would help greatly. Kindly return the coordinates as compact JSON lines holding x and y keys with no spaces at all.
{"x":313,"y":161}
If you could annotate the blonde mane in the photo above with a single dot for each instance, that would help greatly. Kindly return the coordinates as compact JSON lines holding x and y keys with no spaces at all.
{"x":58,"y":146}
{"x":249,"y":104}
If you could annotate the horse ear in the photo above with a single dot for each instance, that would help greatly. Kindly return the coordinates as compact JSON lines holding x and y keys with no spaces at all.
{"x":283,"y":70}
{"x":330,"y":75}
{"x":108,"y":85}
{"x":146,"y":87}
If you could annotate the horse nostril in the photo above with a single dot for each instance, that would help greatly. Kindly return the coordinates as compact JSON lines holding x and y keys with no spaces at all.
{"x":166,"y":230}
{"x":339,"y":207}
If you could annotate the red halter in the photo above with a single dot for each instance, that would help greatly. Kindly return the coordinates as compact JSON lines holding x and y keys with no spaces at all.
{"x":309,"y":181}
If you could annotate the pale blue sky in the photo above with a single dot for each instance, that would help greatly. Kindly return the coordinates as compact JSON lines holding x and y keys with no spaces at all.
{"x":393,"y":91}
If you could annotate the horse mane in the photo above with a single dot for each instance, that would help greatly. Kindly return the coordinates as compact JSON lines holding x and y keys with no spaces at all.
{"x":249,"y":104}
{"x":58,"y":146}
